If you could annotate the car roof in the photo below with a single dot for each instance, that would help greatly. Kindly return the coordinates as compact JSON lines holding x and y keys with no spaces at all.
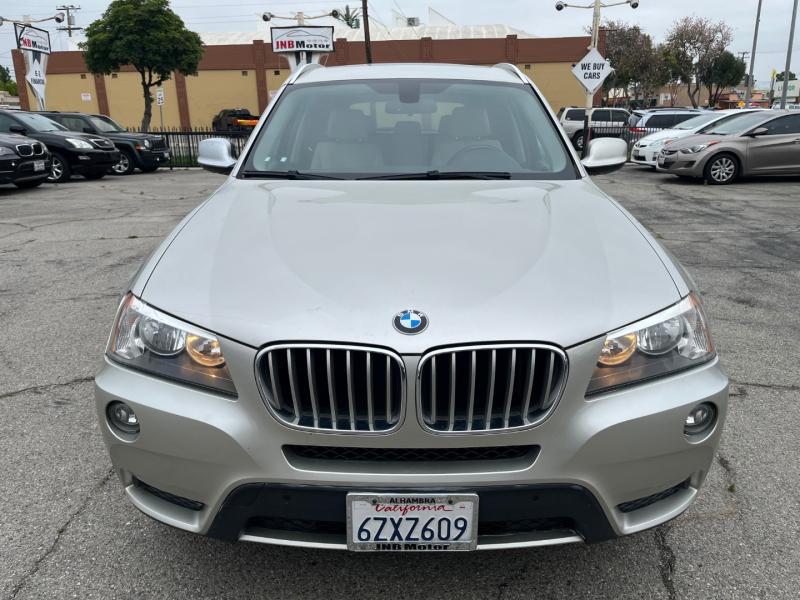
{"x":409,"y":71}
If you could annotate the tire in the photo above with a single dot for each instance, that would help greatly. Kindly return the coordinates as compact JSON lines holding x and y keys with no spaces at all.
{"x":94,"y":175}
{"x":60,"y":171}
{"x":577,"y":140}
{"x":126,"y":164}
{"x":26,"y":185}
{"x":149,"y":169}
{"x":721,"y":169}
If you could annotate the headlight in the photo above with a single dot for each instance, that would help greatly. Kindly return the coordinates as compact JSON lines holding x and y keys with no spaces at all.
{"x":672,"y":340}
{"x":45,"y":149}
{"x":147,"y":143}
{"x":82,"y":144}
{"x":6,"y":151}
{"x":664,"y":142}
{"x":697,"y":148}
{"x":146,"y":339}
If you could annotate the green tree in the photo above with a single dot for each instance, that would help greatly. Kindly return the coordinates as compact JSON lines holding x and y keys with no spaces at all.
{"x":147,"y":35}
{"x":725,"y":71}
{"x":699,"y":42}
{"x":6,"y":82}
{"x":779,"y":76}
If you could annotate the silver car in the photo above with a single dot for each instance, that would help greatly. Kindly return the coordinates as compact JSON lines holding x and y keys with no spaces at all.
{"x":759,"y":143}
{"x":408,"y":320}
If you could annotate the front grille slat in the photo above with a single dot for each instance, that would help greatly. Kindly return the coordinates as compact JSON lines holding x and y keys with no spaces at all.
{"x":490,"y":391}
{"x":406,"y":455}
{"x":25,"y":150}
{"x":332,"y":388}
{"x":312,"y":388}
{"x":489,"y":388}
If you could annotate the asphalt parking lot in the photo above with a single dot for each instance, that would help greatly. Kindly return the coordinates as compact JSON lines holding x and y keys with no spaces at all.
{"x":66,"y":252}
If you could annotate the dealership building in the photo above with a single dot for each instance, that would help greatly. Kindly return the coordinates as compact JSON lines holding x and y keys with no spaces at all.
{"x":240,"y":70}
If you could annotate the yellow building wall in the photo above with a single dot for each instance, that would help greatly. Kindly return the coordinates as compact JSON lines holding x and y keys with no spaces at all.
{"x":63,"y":92}
{"x":209,"y":92}
{"x":274,"y":82}
{"x":557,"y":84}
{"x":126,"y":103}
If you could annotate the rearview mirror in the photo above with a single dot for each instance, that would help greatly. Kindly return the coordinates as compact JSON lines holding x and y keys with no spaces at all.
{"x":605,"y":155}
{"x":758,"y":131}
{"x":215,"y":155}
{"x":17,"y":129}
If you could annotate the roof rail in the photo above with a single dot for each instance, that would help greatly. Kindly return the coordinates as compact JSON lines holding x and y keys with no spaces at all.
{"x":301,"y":71}
{"x":513,"y":69}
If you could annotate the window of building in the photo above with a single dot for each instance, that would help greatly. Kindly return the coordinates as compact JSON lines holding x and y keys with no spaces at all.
{"x":244,"y":73}
{"x":83,"y":75}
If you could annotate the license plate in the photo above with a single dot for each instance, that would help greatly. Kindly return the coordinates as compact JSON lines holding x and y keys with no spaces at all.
{"x":166,"y":155}
{"x":38,"y":165}
{"x":661,"y":161}
{"x":413,"y":522}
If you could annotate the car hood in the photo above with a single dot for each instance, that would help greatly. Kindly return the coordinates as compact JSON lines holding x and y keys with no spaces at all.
{"x":695,"y":140}
{"x":78,"y":135}
{"x":664,"y":134}
{"x":266,"y":261}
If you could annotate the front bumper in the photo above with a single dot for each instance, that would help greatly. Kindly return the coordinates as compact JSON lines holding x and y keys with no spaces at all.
{"x":226,"y":457}
{"x":82,"y":161}
{"x":152,"y":158}
{"x":644,"y":156}
{"x":687,"y":165}
{"x":23,"y":169}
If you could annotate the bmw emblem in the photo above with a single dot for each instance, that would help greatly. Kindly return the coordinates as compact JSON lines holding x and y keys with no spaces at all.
{"x":410,"y":322}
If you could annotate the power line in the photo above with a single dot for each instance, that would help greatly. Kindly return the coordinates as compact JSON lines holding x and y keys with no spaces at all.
{"x":70,"y":27}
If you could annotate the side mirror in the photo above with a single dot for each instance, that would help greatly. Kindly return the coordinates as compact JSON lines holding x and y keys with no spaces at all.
{"x":758,"y":131}
{"x":605,"y":155}
{"x":215,"y":155}
{"x":17,"y":129}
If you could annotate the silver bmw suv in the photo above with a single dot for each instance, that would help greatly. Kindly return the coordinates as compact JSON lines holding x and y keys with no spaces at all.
{"x":408,"y":320}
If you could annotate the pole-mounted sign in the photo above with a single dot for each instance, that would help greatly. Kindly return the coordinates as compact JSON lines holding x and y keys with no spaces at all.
{"x":592,"y":70}
{"x":35,"y":46}
{"x":302,"y":44}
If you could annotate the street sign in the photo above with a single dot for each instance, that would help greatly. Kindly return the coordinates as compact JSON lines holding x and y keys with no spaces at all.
{"x":160,"y":96}
{"x":592,"y":71}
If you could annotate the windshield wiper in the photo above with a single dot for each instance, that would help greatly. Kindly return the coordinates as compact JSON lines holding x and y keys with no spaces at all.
{"x":293,"y":174}
{"x":445,"y":175}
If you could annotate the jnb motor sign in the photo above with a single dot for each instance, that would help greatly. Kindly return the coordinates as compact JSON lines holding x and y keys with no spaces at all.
{"x":35,"y":46}
{"x":302,"y":39}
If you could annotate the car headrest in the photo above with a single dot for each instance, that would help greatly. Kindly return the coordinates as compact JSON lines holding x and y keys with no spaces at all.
{"x":469,"y":123}
{"x":348,"y":124}
{"x":408,"y":128}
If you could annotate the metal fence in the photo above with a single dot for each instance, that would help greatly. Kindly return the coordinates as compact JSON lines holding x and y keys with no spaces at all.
{"x":183,"y":144}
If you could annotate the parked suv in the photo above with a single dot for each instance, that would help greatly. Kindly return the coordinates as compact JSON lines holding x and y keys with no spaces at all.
{"x":606,"y":122}
{"x":24,"y":161}
{"x":408,"y":320}
{"x":71,"y":151}
{"x":144,"y":151}
{"x":655,"y":120}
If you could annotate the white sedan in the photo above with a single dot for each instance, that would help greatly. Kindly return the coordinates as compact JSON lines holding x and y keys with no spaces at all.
{"x":645,"y":151}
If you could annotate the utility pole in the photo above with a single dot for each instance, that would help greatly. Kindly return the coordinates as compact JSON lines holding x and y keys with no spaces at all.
{"x":70,"y":19}
{"x":789,"y":57}
{"x":367,"y":42}
{"x":750,"y":81}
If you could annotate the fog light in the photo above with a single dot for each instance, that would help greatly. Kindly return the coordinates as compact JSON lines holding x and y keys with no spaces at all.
{"x":700,"y":419}
{"x":122,"y":418}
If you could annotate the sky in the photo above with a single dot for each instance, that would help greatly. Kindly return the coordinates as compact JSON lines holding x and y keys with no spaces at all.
{"x":537,"y":17}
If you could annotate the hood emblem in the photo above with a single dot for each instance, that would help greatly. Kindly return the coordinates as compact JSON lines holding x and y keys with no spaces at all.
{"x":410,"y":322}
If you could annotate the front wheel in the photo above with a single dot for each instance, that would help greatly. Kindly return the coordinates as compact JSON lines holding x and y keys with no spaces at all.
{"x":722,"y":169}
{"x":577,"y":140}
{"x":25,"y":185}
{"x":126,"y":164}
{"x":60,"y":170}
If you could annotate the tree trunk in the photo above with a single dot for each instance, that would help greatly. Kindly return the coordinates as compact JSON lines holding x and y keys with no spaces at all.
{"x":148,"y":107}
{"x":693,"y":93}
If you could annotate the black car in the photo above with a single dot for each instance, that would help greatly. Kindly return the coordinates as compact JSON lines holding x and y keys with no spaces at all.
{"x":23,"y":161}
{"x":137,"y":150}
{"x":70,"y":151}
{"x":234,"y":119}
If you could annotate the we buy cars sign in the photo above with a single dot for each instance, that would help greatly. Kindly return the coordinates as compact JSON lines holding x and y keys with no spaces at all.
{"x":592,"y":70}
{"x":302,"y":39}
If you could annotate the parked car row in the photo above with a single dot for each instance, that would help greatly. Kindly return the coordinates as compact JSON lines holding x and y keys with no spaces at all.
{"x":52,"y":146}
{"x":620,"y":123}
{"x":726,"y":145}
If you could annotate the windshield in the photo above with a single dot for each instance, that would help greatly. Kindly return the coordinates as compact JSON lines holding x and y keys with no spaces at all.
{"x":734,"y":124}
{"x":394,"y":127}
{"x":105,"y":125}
{"x":698,"y":121}
{"x":38,"y":123}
